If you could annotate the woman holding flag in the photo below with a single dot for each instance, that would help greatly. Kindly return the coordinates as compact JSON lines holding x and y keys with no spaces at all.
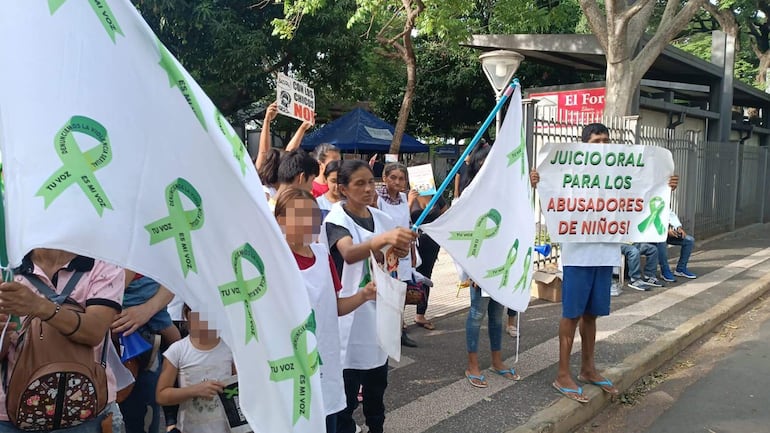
{"x":352,"y":233}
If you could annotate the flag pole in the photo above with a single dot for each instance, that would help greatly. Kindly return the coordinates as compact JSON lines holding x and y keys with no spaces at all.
{"x":508,"y":92}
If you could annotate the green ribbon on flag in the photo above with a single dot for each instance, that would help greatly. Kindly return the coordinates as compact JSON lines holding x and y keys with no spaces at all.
{"x":518,"y":153}
{"x":479,"y":232}
{"x":231,"y":393}
{"x":176,"y":78}
{"x":527,"y":263}
{"x":243,"y":290}
{"x":179,"y":222}
{"x":505,"y":269}
{"x":239,"y":150}
{"x":299,"y":367}
{"x":656,"y":210}
{"x":101,"y":9}
{"x":78,"y":166}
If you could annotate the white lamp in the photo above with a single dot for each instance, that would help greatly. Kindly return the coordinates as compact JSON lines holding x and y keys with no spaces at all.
{"x":499,"y":67}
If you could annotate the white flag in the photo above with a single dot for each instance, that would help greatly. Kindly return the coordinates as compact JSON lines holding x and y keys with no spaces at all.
{"x":490,"y":230}
{"x":111,"y":150}
{"x":391,"y":294}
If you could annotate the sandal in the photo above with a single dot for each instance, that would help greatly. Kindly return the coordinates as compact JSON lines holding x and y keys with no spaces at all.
{"x":478,"y":381}
{"x":509,"y":374}
{"x":572,"y":394}
{"x":427,"y":325}
{"x":605,"y":384}
{"x":512,"y":331}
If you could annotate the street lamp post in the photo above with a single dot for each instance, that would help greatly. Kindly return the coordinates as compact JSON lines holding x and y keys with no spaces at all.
{"x":499,"y":67}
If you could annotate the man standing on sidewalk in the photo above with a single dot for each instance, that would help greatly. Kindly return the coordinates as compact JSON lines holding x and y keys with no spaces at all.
{"x":585,"y":295}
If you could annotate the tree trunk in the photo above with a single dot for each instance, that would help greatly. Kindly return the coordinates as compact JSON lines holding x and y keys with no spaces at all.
{"x":620,"y":88}
{"x":764,"y":64}
{"x":406,"y":104}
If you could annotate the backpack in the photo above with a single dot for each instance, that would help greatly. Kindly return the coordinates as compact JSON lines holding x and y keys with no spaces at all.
{"x":55,"y":382}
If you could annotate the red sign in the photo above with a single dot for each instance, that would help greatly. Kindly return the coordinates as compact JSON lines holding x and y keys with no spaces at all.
{"x":574,"y":106}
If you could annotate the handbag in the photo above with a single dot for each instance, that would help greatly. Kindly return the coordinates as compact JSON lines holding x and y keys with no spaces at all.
{"x":415,"y":292}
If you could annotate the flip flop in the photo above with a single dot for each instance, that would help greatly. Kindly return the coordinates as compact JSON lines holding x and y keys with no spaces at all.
{"x":572,"y":394}
{"x":505,"y":373}
{"x":605,"y":384}
{"x":427,"y":325}
{"x":482,"y":383}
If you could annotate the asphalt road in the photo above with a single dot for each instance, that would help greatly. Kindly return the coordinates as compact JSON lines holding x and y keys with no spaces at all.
{"x":719,"y":385}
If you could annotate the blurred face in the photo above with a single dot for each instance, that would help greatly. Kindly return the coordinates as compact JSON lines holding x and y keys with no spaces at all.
{"x":395,"y":181}
{"x":302,"y":222}
{"x":360,"y":190}
{"x":199,"y":328}
{"x":334,"y":190}
{"x":599,"y":138}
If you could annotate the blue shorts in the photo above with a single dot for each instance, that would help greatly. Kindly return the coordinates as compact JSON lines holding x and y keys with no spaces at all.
{"x":586,"y":290}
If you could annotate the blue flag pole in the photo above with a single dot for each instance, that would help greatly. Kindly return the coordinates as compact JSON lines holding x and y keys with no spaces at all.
{"x":507,"y":94}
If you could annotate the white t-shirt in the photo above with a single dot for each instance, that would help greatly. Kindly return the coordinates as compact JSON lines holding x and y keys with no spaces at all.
{"x":201,"y":415}
{"x":590,"y":254}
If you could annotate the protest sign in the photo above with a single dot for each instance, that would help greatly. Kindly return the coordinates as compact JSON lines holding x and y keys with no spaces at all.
{"x":129,"y":161}
{"x":391,"y":157}
{"x":390,"y":309}
{"x":295,"y":98}
{"x":421,"y":179}
{"x":605,"y":192}
{"x":232,"y":407}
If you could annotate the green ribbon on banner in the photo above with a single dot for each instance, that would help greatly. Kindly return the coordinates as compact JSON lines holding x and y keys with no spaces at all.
{"x":177,"y":79}
{"x":179,"y":222}
{"x":505,"y":269}
{"x":78,"y":166}
{"x":299,"y":367}
{"x":239,"y":150}
{"x":479,"y":233}
{"x":527,"y":263}
{"x":101,"y":9}
{"x":518,"y":153}
{"x":231,"y":393}
{"x":243,"y":290}
{"x":656,"y":210}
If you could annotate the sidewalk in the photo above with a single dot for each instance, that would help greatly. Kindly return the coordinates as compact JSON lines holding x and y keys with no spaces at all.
{"x":428,"y":393}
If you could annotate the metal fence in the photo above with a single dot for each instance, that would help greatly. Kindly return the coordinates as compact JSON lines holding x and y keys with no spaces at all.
{"x":723,"y":186}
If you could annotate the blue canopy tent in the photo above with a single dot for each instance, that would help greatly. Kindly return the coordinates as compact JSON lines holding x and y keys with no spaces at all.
{"x":361,"y":132}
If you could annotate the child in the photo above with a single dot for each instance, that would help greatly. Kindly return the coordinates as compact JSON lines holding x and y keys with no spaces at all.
{"x":299,"y":217}
{"x":200,"y":362}
{"x":326,"y":200}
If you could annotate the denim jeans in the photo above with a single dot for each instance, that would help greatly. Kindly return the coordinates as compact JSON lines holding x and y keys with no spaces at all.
{"x":633,"y":255}
{"x":141,"y":399}
{"x":481,"y":306}
{"x":687,"y":243}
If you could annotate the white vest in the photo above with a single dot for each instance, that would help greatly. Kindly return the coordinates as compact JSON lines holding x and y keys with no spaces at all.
{"x":358,"y":330}
{"x":400,"y":215}
{"x":323,"y":300}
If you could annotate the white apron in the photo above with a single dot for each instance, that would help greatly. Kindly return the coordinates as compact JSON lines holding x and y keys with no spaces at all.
{"x":400,"y":215}
{"x":323,"y":300}
{"x":358,"y":330}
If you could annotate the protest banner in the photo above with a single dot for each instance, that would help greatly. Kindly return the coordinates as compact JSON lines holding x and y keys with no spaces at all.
{"x":390,"y":309}
{"x":421,"y":179}
{"x":295,"y":98}
{"x":490,"y":229}
{"x":605,"y":192}
{"x":128,"y":161}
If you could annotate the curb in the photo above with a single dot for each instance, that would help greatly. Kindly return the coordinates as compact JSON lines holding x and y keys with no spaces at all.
{"x":566,"y":415}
